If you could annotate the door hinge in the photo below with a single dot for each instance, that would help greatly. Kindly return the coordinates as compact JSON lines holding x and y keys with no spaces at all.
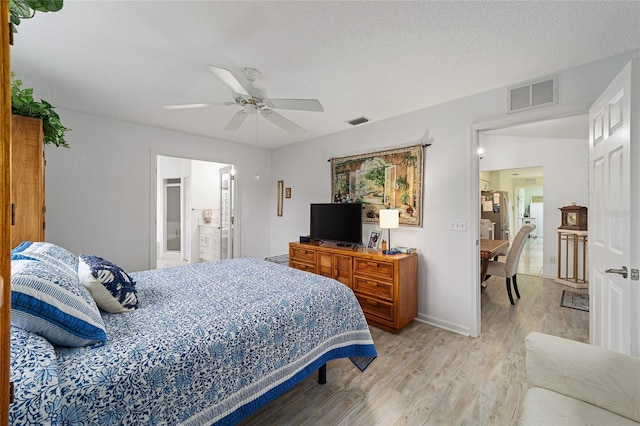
{"x":44,"y":225}
{"x":11,"y":393}
{"x":13,"y":214}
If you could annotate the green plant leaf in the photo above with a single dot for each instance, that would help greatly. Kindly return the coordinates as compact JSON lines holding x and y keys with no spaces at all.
{"x":45,"y":5}
{"x":26,"y":9}
{"x":22,"y":103}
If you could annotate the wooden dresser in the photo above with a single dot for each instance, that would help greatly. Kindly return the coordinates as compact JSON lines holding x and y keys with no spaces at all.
{"x":386,"y":285}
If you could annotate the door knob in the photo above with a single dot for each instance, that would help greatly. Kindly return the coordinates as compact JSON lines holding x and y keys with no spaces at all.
{"x":622,"y":271}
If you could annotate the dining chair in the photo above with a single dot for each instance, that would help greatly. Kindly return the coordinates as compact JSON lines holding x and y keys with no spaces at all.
{"x":509,"y":267}
{"x":485,"y":229}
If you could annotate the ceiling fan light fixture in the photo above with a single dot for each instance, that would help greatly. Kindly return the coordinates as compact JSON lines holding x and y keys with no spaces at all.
{"x":251,"y":99}
{"x":251,"y":74}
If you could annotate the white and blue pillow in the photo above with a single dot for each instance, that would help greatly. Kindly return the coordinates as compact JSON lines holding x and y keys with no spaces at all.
{"x":48,"y":253}
{"x":111,"y":287}
{"x":52,"y":303}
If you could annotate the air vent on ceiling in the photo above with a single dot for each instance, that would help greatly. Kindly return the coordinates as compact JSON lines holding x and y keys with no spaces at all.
{"x":357,"y":121}
{"x":534,"y":94}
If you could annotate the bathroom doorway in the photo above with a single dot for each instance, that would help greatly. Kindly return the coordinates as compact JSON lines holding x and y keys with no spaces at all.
{"x":190,"y":199}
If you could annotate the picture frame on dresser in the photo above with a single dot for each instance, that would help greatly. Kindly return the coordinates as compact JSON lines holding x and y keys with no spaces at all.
{"x":374,"y":239}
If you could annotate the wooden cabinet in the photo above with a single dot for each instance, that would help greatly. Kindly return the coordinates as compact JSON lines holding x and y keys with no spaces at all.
{"x":336,"y":266}
{"x":385,"y":285}
{"x":27,"y":180}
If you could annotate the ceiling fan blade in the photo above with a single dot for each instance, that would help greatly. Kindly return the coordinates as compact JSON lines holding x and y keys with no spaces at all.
{"x":191,"y":106}
{"x":282,"y":122}
{"x":236,"y":121}
{"x":297,"y":104}
{"x":229,"y":79}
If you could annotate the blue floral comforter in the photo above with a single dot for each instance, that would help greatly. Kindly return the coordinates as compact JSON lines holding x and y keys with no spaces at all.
{"x":210,"y":343}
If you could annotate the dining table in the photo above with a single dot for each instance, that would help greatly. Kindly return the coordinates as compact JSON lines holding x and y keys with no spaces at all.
{"x":490,"y":249}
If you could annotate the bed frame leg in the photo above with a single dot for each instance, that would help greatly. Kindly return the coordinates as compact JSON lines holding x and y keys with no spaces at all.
{"x":322,"y":374}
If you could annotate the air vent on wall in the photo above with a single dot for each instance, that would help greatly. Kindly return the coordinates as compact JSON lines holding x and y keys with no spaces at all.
{"x":357,"y":121}
{"x":534,"y":94}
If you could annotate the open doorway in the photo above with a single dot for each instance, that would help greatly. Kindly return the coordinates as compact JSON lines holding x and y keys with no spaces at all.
{"x":520,"y":196}
{"x":561,"y":146}
{"x":193,"y":205}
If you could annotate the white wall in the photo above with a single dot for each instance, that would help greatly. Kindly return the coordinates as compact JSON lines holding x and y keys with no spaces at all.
{"x":99,"y":192}
{"x":205,"y":185}
{"x":448,"y":267}
{"x":566,"y":177}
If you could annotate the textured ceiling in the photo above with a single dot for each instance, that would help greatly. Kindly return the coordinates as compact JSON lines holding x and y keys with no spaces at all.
{"x":126,"y":59}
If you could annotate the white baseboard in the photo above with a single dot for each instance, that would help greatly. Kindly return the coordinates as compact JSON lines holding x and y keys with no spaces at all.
{"x":456,"y":328}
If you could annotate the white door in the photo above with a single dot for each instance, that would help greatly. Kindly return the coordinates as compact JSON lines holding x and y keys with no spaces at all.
{"x":227,"y":219}
{"x":610,"y":222}
{"x":186,"y":220}
{"x":521,"y":209}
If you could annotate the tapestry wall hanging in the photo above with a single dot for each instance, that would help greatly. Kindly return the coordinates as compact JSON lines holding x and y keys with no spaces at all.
{"x":379,"y":180}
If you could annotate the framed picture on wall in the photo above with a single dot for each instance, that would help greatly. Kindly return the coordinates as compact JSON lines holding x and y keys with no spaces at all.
{"x":381,"y":180}
{"x":374,"y":239}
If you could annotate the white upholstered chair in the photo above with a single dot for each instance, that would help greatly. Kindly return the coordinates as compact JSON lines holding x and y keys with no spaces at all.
{"x":573,"y":383}
{"x":509,"y":268}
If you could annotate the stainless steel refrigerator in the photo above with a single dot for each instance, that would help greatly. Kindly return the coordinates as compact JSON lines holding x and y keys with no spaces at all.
{"x":495,"y":207}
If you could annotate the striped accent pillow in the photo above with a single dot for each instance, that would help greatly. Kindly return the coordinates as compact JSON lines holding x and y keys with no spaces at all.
{"x":53,"y":304}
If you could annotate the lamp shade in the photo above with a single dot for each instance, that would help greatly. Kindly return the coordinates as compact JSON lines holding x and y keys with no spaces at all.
{"x":389,"y":218}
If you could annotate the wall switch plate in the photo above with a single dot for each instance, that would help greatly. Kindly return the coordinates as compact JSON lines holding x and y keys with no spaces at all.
{"x":458,"y":225}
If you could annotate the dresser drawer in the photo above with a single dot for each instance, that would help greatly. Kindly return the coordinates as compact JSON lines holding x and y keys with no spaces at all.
{"x":374,"y":288}
{"x":303,"y":266}
{"x":374,"y":267}
{"x":302,"y":255}
{"x":375,"y":307}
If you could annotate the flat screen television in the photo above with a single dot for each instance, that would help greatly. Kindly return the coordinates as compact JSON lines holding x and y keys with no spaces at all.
{"x":339,"y":222}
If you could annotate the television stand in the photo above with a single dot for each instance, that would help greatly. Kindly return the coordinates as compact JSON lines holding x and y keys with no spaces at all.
{"x":345,"y":244}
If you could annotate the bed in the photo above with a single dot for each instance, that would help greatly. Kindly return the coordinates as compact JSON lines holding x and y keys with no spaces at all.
{"x":208,"y":343}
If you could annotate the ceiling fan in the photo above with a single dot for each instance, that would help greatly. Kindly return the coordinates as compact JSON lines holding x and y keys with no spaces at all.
{"x":252,"y":100}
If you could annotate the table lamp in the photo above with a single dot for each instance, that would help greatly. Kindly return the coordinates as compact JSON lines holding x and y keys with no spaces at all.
{"x":389,"y":218}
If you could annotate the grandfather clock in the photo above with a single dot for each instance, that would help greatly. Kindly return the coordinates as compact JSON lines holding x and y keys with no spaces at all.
{"x":573,"y":233}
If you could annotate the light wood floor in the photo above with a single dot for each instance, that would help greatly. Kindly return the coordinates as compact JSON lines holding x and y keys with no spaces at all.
{"x":428,"y":376}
